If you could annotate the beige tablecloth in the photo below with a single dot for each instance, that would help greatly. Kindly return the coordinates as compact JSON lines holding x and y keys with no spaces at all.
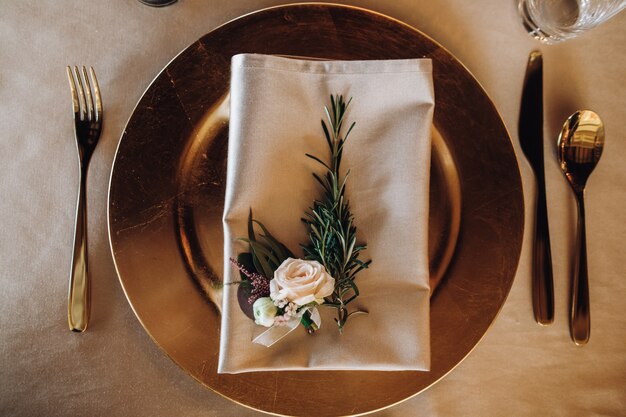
{"x":114,"y":369}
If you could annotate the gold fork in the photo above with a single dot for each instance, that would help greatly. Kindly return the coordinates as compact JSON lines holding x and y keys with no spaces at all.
{"x":87,"y":108}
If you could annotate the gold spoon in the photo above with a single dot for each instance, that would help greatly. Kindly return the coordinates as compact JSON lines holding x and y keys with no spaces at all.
{"x":580,"y":146}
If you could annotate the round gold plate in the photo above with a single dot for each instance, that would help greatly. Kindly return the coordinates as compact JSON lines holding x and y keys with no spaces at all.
{"x":167,"y":190}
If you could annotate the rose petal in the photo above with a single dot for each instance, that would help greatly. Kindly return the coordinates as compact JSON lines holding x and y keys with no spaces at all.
{"x":301,"y":281}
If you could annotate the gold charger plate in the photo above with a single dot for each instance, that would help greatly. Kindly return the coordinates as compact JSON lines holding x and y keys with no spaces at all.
{"x":167,"y":189}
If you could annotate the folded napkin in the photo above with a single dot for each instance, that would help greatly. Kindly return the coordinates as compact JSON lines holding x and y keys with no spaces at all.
{"x":276,"y":107}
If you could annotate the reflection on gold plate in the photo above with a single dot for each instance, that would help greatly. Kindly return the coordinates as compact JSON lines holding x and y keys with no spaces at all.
{"x":167,"y":190}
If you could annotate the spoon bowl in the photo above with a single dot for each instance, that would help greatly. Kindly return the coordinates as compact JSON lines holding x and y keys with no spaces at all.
{"x":580,"y":146}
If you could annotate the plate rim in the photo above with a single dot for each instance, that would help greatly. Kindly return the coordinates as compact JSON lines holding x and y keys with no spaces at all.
{"x":522,"y":224}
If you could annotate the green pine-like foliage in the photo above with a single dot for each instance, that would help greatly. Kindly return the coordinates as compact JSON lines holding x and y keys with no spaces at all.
{"x":332,"y":232}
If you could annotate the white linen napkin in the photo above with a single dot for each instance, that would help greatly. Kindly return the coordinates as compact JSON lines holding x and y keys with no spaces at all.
{"x":276,"y":107}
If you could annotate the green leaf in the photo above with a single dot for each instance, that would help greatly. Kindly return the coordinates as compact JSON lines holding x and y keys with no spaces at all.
{"x":350,"y":250}
{"x":318,"y":160}
{"x":330,"y":119}
{"x":278,"y":247}
{"x":266,"y":252}
{"x":327,"y":135}
{"x":261,"y":258}
{"x":358,"y":312}
{"x":250,"y":227}
{"x":324,"y":185}
{"x":349,"y":130}
{"x":268,"y":271}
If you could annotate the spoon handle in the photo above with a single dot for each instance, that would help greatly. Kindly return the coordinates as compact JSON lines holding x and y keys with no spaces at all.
{"x":542,"y":286}
{"x":580,"y":321}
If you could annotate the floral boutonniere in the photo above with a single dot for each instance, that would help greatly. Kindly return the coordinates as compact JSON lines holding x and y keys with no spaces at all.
{"x":285,"y":291}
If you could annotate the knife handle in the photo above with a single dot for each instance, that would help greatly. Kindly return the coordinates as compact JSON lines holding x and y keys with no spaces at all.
{"x":542,"y":283}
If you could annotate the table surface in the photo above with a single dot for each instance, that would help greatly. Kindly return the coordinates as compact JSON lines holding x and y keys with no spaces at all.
{"x":114,"y":369}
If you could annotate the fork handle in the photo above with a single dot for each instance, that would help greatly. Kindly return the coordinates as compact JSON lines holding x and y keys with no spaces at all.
{"x":79,"y":303}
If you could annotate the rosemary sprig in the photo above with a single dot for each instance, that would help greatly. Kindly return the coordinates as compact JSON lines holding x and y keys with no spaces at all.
{"x":332,"y":232}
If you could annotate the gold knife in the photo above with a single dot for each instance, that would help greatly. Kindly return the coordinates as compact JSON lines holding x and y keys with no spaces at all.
{"x":531,"y":141}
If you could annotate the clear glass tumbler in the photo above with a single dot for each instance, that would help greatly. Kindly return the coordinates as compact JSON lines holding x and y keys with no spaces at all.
{"x":553,"y":21}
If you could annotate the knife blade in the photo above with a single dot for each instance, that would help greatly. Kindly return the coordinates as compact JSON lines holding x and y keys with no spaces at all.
{"x":531,"y":141}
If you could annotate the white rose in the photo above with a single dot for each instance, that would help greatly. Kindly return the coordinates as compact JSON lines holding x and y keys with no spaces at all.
{"x":301,"y":282}
{"x":264,"y":311}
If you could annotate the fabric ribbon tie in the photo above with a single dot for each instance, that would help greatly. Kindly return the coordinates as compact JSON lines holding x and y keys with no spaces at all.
{"x":275,"y":333}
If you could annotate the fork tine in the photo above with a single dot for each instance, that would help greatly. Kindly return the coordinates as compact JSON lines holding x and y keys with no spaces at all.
{"x":89,"y":99}
{"x":70,"y":77}
{"x":81,"y":93}
{"x":96,"y":91}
